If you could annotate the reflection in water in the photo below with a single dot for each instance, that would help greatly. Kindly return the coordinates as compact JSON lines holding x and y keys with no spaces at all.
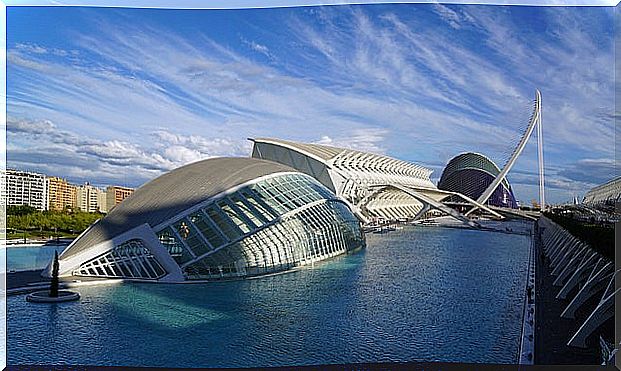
{"x":423,"y":293}
{"x":26,"y":257}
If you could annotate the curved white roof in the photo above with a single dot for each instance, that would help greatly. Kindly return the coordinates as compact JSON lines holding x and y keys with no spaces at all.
{"x":169,"y":194}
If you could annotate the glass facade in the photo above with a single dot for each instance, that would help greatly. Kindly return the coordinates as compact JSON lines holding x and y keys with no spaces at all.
{"x":130,"y":259}
{"x":470,"y":174}
{"x":274,"y":224}
{"x":361,"y":171}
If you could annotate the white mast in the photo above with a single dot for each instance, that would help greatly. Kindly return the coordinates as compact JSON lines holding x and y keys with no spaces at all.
{"x":542,"y":192}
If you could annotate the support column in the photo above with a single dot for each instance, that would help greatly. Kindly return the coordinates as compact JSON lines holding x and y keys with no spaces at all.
{"x":570,"y":266}
{"x":591,"y":286}
{"x":589,"y":263}
{"x":566,"y":243}
{"x":422,"y":211}
{"x":542,"y":193}
{"x":573,"y":250}
{"x":603,"y":312}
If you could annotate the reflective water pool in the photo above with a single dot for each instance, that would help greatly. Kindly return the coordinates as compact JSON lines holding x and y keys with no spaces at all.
{"x":28,"y":257}
{"x":419,"y":294}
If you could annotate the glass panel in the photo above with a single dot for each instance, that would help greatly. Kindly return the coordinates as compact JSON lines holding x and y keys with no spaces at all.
{"x":228,"y":210}
{"x":250,"y":212}
{"x":264,"y":210}
{"x":174,"y":247}
{"x":123,"y":261}
{"x":158,"y":268}
{"x":225,"y":224}
{"x":129,"y":268}
{"x":188,"y":233}
{"x":267,"y":195}
{"x":118,"y":268}
{"x":147,"y":264}
{"x":207,"y":229}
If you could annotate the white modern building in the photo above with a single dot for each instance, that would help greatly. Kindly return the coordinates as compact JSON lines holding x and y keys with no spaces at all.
{"x":608,"y":193}
{"x":214,"y":219}
{"x":91,"y":199}
{"x":24,"y":188}
{"x":375,"y":186}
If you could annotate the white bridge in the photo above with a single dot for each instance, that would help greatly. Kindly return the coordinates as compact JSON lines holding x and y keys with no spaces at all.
{"x":377,"y":186}
{"x":535,"y":121}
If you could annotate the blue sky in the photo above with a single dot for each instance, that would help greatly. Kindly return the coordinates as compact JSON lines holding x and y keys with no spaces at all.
{"x":119,"y":96}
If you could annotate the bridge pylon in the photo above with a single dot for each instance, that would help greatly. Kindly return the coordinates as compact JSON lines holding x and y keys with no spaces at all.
{"x":535,"y":121}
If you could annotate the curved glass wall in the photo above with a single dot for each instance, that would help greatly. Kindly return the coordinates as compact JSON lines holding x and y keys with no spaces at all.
{"x":275,"y":224}
{"x":131,"y":259}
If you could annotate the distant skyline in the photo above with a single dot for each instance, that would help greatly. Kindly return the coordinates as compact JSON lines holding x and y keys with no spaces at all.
{"x":119,"y":96}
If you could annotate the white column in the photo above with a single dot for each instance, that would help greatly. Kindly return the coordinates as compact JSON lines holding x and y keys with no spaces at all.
{"x":542,"y":193}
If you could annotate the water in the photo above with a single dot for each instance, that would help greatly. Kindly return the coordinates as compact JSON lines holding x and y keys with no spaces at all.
{"x":29,"y":257}
{"x":421,"y":294}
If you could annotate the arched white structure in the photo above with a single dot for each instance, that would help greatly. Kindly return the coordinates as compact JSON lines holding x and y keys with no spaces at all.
{"x":354,"y":176}
{"x":374,"y":186}
{"x":535,"y":120}
{"x":608,"y":193}
{"x":213,"y":219}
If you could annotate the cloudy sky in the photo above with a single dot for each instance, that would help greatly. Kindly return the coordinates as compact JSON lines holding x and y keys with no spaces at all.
{"x":119,"y":96}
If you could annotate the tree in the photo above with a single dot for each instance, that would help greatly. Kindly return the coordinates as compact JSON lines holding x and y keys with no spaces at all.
{"x":54,"y":283}
{"x":20,"y":210}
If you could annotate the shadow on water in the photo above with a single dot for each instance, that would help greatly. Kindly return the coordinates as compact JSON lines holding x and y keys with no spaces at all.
{"x":206,"y":303}
{"x":421,"y":294}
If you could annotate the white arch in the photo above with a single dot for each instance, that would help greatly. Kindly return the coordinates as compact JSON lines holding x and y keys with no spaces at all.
{"x":535,"y":120}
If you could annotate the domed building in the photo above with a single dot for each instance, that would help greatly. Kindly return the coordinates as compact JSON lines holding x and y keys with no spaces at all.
{"x":213,"y":219}
{"x":375,"y":187}
{"x":470,"y":174}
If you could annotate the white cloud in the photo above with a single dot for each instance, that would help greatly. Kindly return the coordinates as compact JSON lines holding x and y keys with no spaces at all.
{"x":366,"y":140}
{"x":375,"y":81}
{"x":182,"y":154}
{"x":259,"y":48}
{"x":28,"y":126}
{"x":32,"y":48}
{"x":448,"y":15}
{"x":67,"y":153}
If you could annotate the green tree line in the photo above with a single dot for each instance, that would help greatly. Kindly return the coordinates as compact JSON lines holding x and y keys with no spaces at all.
{"x":26,"y":218}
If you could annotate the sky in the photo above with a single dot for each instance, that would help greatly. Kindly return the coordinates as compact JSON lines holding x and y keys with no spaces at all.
{"x":120,"y":96}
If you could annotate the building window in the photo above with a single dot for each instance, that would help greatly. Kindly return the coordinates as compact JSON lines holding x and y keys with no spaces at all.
{"x":272,"y":225}
{"x":131,"y":259}
{"x":174,"y":246}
